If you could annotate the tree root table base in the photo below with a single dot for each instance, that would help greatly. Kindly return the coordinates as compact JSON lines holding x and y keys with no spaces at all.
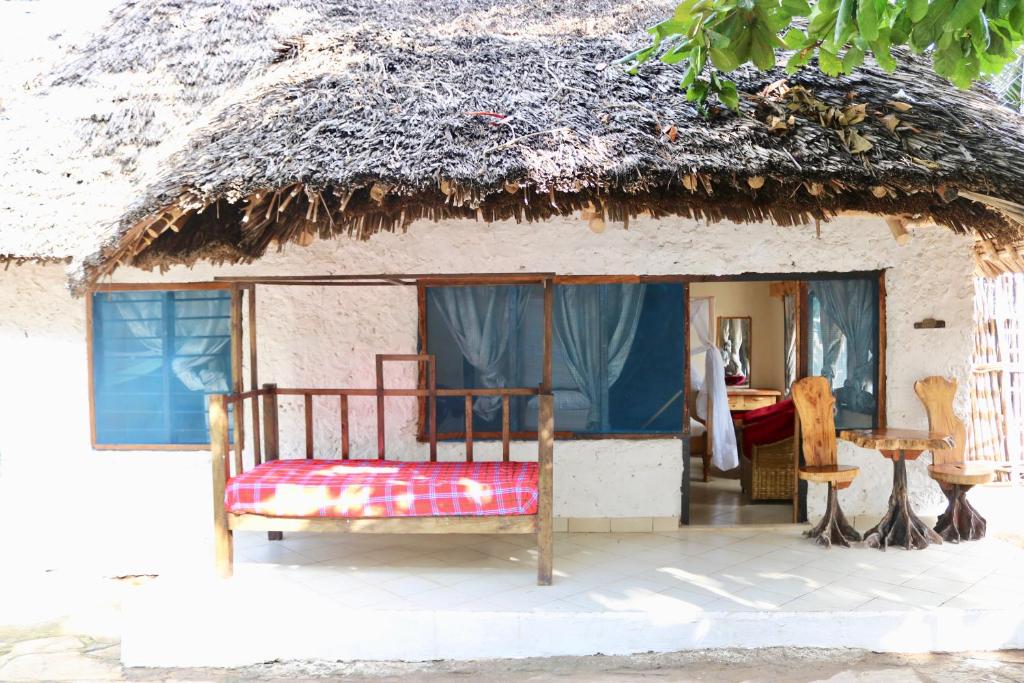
{"x":900,"y":526}
{"x":960,"y":521}
{"x":833,"y":529}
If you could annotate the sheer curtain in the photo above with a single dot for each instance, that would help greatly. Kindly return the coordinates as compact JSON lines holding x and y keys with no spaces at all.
{"x":849,"y":305}
{"x":595,"y":327}
{"x":200,"y":334}
{"x":712,"y":389}
{"x":483,"y":321}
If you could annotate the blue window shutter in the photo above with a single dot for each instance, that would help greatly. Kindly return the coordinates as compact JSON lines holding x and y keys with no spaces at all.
{"x":157,"y":355}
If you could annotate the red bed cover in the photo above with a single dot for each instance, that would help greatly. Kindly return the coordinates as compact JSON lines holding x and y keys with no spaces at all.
{"x":384,"y":488}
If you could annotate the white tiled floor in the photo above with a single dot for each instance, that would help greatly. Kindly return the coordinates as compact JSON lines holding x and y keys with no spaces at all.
{"x":343,"y":597}
{"x":712,"y":570}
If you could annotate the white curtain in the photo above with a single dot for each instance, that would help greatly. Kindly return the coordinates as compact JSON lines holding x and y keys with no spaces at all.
{"x":789,"y":332}
{"x":483,"y":321}
{"x":200,"y":335}
{"x":724,"y":455}
{"x":595,"y":327}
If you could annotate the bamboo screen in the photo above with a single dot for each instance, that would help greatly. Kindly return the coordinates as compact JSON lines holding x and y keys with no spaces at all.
{"x":997,"y":397}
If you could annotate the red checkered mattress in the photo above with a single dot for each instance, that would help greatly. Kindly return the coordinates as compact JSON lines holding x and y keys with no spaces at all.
{"x":384,"y":488}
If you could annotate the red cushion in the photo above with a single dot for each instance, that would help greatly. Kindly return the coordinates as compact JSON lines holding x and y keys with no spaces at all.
{"x":768,"y":425}
{"x":785,"y":406}
{"x":384,"y":488}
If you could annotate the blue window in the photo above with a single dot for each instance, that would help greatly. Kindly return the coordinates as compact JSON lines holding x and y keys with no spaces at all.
{"x":157,"y":355}
{"x":843,"y":343}
{"x":617,"y":355}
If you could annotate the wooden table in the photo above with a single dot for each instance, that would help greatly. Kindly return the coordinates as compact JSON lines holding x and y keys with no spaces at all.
{"x":742,"y":398}
{"x":899,"y":526}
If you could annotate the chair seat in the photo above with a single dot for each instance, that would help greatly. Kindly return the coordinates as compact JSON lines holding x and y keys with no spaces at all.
{"x":964,"y":474}
{"x":829,"y":473}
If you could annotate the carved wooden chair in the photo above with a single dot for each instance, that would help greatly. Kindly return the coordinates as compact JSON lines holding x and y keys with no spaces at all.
{"x":815,"y":407}
{"x":955,"y":476}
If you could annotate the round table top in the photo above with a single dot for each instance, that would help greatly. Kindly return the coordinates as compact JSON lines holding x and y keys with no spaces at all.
{"x":897,"y":439}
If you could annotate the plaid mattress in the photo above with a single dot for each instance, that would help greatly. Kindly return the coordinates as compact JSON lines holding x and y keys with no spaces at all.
{"x":384,"y":488}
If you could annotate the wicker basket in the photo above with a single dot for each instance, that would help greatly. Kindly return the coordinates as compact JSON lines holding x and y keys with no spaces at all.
{"x":769,"y":475}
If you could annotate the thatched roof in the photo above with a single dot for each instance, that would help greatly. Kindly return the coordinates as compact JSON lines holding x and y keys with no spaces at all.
{"x":219,"y":128}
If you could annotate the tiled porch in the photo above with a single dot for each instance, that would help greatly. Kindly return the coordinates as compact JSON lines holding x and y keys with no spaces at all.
{"x":425,"y":597}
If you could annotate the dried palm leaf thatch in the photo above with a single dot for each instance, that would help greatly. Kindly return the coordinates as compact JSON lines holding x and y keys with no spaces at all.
{"x":373,"y":114}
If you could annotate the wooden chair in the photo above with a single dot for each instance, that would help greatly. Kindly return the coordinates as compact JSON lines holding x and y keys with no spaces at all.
{"x":815,"y":407}
{"x":955,"y":476}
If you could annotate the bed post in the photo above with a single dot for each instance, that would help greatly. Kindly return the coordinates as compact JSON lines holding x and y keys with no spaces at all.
{"x":271,"y":445}
{"x":222,"y":541}
{"x":545,"y":457}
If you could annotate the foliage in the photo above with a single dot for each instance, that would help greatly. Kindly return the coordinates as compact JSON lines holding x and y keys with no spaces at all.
{"x":967,"y":39}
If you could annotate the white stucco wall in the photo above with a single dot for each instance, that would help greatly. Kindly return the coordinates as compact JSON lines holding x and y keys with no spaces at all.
{"x":112,"y":507}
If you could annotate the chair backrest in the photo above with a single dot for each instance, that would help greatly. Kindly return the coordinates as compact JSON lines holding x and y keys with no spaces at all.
{"x":937,"y":394}
{"x":815,"y":405}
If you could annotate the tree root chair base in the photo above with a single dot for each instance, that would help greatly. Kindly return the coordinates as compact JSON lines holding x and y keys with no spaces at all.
{"x":833,"y":529}
{"x":961,"y":521}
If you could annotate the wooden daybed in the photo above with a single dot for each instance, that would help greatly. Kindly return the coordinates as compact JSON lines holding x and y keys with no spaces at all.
{"x":380,"y":495}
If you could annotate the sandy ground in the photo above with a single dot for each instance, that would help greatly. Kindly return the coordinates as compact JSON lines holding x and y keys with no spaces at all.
{"x":41,"y":654}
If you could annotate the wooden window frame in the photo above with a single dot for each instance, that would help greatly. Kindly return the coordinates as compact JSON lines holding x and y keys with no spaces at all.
{"x":801,"y":278}
{"x":236,"y":355}
{"x":422,"y":435}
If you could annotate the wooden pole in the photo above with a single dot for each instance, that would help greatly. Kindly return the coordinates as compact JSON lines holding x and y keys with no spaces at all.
{"x":380,"y":407}
{"x":469,"y":429}
{"x":254,"y":380}
{"x":270,"y":430}
{"x":549,"y":298}
{"x":271,"y":436}
{"x":237,"y":382}
{"x":309,"y":426}
{"x":222,"y":541}
{"x":343,"y":405}
{"x":684,"y":485}
{"x":545,"y":487}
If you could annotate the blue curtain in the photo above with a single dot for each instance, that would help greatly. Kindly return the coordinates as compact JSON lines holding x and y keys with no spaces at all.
{"x":595,"y":327}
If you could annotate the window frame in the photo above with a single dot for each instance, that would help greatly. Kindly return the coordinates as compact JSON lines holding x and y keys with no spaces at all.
{"x":804,"y":331}
{"x":236,"y":354}
{"x":422,"y":430}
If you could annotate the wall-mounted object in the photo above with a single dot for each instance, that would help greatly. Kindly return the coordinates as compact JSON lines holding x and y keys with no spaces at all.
{"x":929,"y":324}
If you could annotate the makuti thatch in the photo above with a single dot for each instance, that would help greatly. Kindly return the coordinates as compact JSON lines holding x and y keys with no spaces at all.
{"x":242,"y":125}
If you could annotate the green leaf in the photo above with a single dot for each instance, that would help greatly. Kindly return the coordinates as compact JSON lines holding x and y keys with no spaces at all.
{"x":844,"y":23}
{"x":980,"y":34}
{"x":729,"y":96}
{"x":829,"y":62}
{"x":916,"y":9}
{"x":794,"y":39}
{"x":930,"y":29}
{"x":796,"y":8}
{"x":697,"y":92}
{"x":821,"y":22}
{"x":1004,"y":6}
{"x":797,"y":60}
{"x":946,"y":60}
{"x":853,"y":58}
{"x":761,"y":51}
{"x":967,"y":71}
{"x":901,"y":27}
{"x":724,"y":60}
{"x":963,"y":12}
{"x":867,"y":19}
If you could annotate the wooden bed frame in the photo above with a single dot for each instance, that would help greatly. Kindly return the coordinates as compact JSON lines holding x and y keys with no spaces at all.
{"x":223,"y":464}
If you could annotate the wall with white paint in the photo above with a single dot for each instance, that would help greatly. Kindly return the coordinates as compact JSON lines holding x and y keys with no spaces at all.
{"x":144,"y":511}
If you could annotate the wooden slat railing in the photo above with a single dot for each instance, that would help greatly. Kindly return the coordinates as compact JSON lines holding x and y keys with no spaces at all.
{"x":270,"y":394}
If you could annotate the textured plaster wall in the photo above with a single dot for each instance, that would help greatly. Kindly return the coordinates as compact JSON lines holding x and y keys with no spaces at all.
{"x":327,"y":336}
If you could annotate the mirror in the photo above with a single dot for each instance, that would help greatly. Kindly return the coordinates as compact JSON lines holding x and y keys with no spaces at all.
{"x":734,"y":339}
